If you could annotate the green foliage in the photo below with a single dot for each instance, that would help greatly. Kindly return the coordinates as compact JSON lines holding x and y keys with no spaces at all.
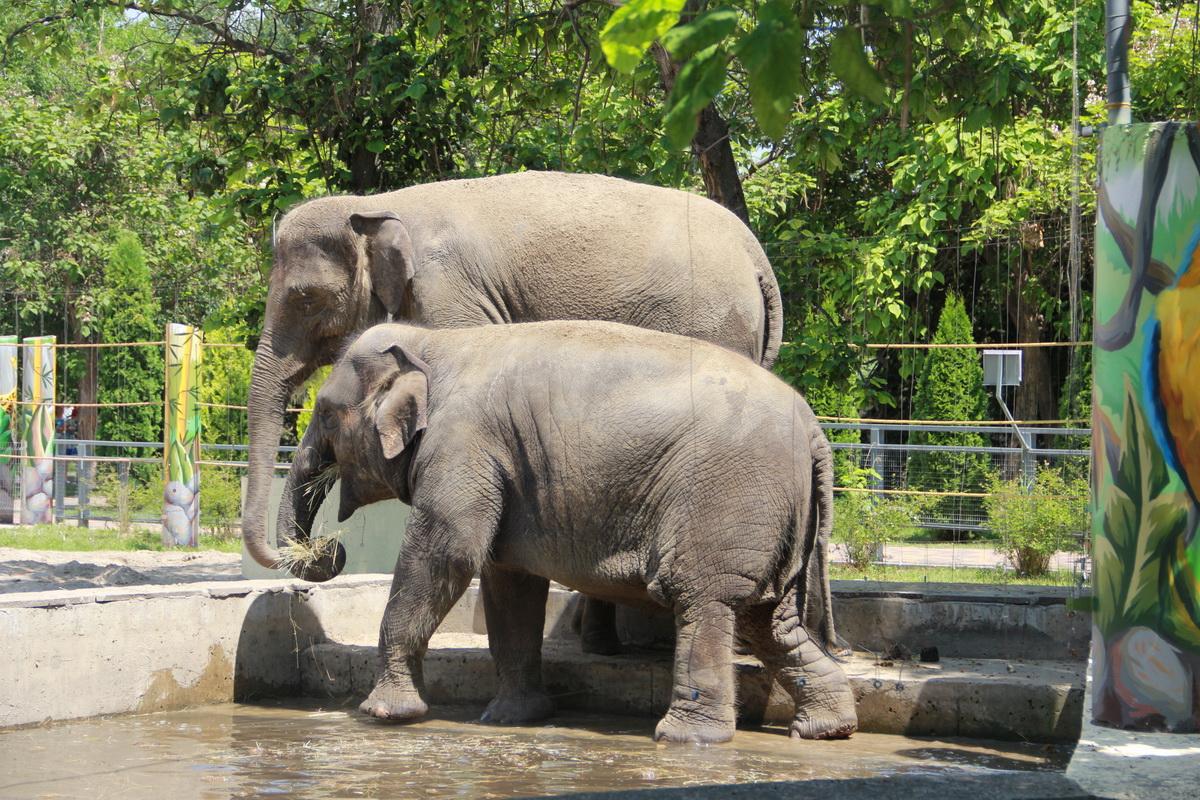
{"x":950,"y":387}
{"x":221,"y":503}
{"x":851,"y":64}
{"x":863,"y":522}
{"x":71,"y":537}
{"x":127,"y":311}
{"x":989,"y":576}
{"x":1035,"y":522}
{"x":633,"y":27}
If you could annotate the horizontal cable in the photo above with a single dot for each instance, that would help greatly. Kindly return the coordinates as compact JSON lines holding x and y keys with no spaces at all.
{"x":930,"y":493}
{"x":86,"y":345}
{"x":104,"y":459}
{"x":47,"y":402}
{"x":960,"y":422}
{"x":247,"y":408}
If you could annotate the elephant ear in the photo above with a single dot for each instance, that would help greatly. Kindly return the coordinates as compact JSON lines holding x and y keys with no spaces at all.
{"x":389,"y":254}
{"x":403,"y":411}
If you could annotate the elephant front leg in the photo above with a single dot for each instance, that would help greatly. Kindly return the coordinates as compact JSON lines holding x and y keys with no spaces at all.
{"x":514,"y":604}
{"x":702,"y":702}
{"x":431,"y":575}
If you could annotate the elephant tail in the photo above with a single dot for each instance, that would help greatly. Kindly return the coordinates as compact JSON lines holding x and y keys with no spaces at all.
{"x":819,"y":596}
{"x":773,"y":318}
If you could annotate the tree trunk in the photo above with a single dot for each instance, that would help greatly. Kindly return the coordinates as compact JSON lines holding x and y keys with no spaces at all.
{"x":710,"y":144}
{"x":88,"y":383}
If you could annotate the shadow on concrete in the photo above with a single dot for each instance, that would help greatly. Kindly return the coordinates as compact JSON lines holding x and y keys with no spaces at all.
{"x":276,"y":632}
{"x":904,"y":786}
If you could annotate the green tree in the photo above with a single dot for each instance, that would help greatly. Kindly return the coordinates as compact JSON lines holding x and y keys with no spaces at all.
{"x":127,"y":311}
{"x":950,"y":388}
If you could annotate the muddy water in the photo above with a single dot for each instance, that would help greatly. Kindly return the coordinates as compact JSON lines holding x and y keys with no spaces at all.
{"x":312,"y":752}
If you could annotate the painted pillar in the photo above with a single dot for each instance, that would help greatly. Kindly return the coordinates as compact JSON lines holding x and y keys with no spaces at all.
{"x":181,"y":431}
{"x":8,"y":426}
{"x":1146,"y":429}
{"x":37,"y":430}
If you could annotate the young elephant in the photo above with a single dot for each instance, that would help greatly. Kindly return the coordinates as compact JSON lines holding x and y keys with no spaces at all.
{"x":632,"y":465}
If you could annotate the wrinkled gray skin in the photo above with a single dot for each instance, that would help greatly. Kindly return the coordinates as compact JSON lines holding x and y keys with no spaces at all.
{"x":512,"y":248}
{"x":635,"y":466}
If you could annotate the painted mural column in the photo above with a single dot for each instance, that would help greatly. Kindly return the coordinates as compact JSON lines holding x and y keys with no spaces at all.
{"x":8,"y":425}
{"x":1146,"y":429}
{"x":181,"y":498}
{"x":37,"y":430}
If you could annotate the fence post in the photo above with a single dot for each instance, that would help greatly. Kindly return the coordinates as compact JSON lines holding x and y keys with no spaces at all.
{"x":84,"y":483}
{"x":1028,"y":462}
{"x":37,"y":430}
{"x":181,"y":437}
{"x":876,"y":463}
{"x":8,"y":424}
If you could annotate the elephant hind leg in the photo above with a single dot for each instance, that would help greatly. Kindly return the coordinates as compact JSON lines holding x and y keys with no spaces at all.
{"x":819,"y":688}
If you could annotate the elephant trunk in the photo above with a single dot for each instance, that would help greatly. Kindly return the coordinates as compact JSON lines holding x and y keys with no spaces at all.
{"x":307,"y":484}
{"x":272,"y":382}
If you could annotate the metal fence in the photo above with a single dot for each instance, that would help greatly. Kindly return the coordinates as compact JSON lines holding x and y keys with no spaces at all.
{"x":948,"y":485}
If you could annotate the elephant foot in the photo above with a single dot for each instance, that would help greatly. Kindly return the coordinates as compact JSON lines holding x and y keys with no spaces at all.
{"x":518,"y":708}
{"x":824,"y":726}
{"x":393,"y":704}
{"x":681,"y":728}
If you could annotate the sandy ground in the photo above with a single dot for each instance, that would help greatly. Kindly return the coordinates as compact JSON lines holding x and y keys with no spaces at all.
{"x":44,"y":570}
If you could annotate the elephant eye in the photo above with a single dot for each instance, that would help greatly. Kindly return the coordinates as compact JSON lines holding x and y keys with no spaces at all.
{"x":307,"y":300}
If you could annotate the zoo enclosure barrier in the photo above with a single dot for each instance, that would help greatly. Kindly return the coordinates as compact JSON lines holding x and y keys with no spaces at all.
{"x":109,"y":481}
{"x":944,"y":487}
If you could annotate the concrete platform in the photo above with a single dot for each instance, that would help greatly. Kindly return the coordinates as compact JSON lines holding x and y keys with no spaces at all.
{"x":104,"y":651}
{"x":983,"y":698}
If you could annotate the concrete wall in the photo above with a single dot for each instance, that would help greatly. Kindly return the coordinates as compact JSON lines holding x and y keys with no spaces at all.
{"x":371,"y":536}
{"x":90,"y":652}
{"x":105,"y":651}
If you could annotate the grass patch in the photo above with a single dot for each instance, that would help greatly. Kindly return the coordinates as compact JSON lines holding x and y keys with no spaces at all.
{"x":71,"y":537}
{"x":993,"y":576}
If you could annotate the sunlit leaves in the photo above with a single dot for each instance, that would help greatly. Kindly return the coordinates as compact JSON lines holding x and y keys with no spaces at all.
{"x":699,"y":81}
{"x":633,"y":28}
{"x":853,"y":68}
{"x":684,"y":41}
{"x":772,"y":54}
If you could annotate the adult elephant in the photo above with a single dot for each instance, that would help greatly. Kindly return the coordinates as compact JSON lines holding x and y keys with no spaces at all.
{"x":526,"y":247}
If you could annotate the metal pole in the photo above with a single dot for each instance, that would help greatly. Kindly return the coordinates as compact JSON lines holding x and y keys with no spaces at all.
{"x":1116,"y":47}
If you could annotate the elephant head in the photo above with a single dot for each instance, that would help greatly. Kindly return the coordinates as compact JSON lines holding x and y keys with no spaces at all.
{"x":365,"y":425}
{"x":339,"y":267}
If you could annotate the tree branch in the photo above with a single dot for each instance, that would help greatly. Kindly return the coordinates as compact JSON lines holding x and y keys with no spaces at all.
{"x":8,"y":40}
{"x":221,"y":31}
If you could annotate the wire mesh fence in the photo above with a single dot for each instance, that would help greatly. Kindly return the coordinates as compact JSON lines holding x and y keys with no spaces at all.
{"x":918,"y":492}
{"x":953,"y":504}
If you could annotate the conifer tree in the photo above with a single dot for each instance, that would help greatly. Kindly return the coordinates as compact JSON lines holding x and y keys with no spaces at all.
{"x":950,"y":387}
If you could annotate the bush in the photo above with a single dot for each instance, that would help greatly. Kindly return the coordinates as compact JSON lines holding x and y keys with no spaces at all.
{"x":863,"y":522}
{"x":221,"y":503}
{"x":1036,"y":522}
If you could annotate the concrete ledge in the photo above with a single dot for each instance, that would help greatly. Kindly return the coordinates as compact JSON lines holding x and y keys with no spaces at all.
{"x":1034,"y":701}
{"x":88,"y":652}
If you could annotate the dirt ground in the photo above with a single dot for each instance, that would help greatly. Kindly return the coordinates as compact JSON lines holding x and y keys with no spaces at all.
{"x":43,"y":571}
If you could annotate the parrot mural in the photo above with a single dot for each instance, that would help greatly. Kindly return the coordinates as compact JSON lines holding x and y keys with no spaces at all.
{"x":1146,"y":429}
{"x":1170,"y":369}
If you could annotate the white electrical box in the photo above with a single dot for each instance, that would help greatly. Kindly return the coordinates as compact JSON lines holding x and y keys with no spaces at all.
{"x":1001,"y":367}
